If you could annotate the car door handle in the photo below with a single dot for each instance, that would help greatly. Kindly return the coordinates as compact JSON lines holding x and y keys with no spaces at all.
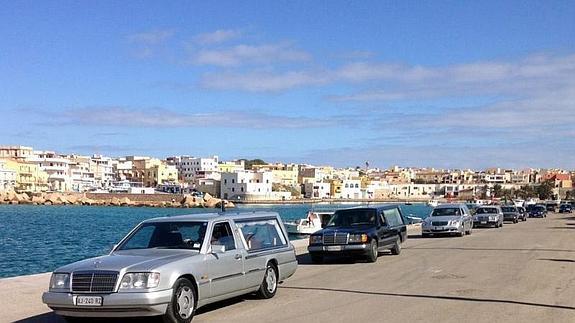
{"x":238,"y":257}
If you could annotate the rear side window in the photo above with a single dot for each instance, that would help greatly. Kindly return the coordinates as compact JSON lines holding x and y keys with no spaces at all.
{"x":393,"y":217}
{"x":261,"y":234}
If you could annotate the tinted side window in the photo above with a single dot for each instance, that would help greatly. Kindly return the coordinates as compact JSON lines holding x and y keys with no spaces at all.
{"x":222,"y":235}
{"x":261,"y":234}
{"x":393,"y":217}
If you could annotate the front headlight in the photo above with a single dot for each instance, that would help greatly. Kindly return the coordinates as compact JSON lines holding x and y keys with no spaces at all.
{"x":357,"y":238}
{"x":60,"y":282}
{"x":139,"y":281}
{"x":315,"y":239}
{"x":454,"y":222}
{"x":492,"y":218}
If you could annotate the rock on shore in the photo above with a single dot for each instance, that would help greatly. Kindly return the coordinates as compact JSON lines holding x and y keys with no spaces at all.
{"x":188,"y":201}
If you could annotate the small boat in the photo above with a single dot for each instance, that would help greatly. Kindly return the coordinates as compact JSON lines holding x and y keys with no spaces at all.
{"x":312,"y":223}
{"x":433,"y":203}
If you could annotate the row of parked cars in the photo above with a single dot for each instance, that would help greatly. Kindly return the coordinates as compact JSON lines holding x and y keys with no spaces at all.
{"x":172,"y":266}
{"x":459,"y":219}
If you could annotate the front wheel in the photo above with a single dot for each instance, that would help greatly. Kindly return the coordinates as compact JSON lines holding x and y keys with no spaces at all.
{"x":183,"y":305}
{"x":269,"y":285}
{"x":396,"y":249}
{"x":372,"y":253}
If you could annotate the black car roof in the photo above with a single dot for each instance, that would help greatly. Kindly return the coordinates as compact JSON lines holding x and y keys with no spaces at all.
{"x":379,"y":207}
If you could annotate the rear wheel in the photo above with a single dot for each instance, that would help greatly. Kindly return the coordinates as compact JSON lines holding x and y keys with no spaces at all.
{"x":269,"y":285}
{"x":396,"y":249}
{"x":372,"y":253}
{"x":183,"y":305}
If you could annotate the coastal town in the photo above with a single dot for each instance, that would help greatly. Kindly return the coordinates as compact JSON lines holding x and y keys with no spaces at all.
{"x":24,"y":170}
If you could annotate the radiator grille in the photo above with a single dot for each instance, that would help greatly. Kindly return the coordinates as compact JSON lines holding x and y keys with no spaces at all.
{"x":94,"y":282}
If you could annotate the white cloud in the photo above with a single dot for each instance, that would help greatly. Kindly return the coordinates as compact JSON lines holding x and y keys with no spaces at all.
{"x":260,"y":81}
{"x":248,"y":54}
{"x":218,"y":36}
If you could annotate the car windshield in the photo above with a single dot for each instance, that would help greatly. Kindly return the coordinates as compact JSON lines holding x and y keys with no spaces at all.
{"x":166,"y":235}
{"x":346,"y":218}
{"x":446,"y":211}
{"x":486,"y":210}
{"x":539,"y":208}
{"x":508,"y":209}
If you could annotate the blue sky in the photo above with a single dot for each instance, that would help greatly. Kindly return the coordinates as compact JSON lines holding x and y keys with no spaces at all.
{"x":417,"y":83}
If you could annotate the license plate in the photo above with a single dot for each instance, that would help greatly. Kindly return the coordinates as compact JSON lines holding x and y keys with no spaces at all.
{"x":483,"y":222}
{"x":333,"y":248}
{"x":89,"y":300}
{"x":438,"y":229}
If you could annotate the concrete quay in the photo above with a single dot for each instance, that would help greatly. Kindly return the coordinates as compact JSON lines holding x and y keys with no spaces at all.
{"x":519,"y":273}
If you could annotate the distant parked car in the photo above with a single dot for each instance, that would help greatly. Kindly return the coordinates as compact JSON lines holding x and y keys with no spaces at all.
{"x":448,"y":219}
{"x":538,"y":211}
{"x":363,"y":231}
{"x":565,"y":208}
{"x":510,"y":213}
{"x":171,"y":266}
{"x":523,"y":214}
{"x":488,"y":216}
{"x":551,"y":207}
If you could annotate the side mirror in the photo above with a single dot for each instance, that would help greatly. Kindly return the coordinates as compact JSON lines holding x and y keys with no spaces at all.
{"x":218,"y":248}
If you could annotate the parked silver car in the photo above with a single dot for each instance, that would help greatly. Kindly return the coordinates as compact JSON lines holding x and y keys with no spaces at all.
{"x":488,"y":216}
{"x":172,"y":266}
{"x":448,"y":219}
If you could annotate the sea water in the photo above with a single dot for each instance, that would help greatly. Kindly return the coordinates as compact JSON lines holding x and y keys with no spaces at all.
{"x":36,"y":239}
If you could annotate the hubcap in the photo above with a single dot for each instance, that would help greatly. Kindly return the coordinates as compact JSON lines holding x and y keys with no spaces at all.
{"x":271,"y":282}
{"x":185,"y":302}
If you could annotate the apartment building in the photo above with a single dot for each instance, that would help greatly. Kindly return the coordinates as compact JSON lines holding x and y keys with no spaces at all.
{"x":247,"y":185}
{"x":57,"y":168}
{"x":16,"y":152}
{"x":7,"y":177}
{"x":317,"y":190}
{"x":190,"y":168}
{"x":29,"y":177}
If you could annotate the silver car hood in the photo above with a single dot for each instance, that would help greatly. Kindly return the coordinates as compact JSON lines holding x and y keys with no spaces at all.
{"x":130,"y":260}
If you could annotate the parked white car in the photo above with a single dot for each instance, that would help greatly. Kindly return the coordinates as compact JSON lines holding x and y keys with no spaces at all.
{"x":448,"y":219}
{"x":172,"y":266}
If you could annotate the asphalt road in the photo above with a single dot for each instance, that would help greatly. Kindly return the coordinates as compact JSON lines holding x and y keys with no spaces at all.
{"x":522,"y":272}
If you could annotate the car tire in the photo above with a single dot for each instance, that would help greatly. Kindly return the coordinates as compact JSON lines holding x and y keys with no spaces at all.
{"x":184,"y":296}
{"x":71,"y":319}
{"x":396,"y":249}
{"x":470,"y":230}
{"x":269,"y":285}
{"x":316,"y":258}
{"x":373,"y":252}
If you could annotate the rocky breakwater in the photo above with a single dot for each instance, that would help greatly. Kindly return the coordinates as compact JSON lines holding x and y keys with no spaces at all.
{"x":187,"y":201}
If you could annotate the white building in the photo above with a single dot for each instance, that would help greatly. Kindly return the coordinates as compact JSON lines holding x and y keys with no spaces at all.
{"x":7,"y":177}
{"x":416,"y":190}
{"x":81,"y":176}
{"x":247,"y":185}
{"x":190,"y":168}
{"x":317,"y":190}
{"x":57,"y":168}
{"x":351,"y":189}
{"x":103,"y":170}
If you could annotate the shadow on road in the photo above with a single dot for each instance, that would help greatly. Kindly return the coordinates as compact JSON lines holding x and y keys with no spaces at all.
{"x":558,"y":260}
{"x":449,"y":298}
{"x":488,"y":249}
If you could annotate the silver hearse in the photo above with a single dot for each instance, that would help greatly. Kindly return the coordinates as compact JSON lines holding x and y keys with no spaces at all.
{"x":172,"y":266}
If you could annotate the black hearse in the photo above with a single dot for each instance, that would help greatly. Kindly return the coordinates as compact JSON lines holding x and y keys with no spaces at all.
{"x":363,"y":231}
